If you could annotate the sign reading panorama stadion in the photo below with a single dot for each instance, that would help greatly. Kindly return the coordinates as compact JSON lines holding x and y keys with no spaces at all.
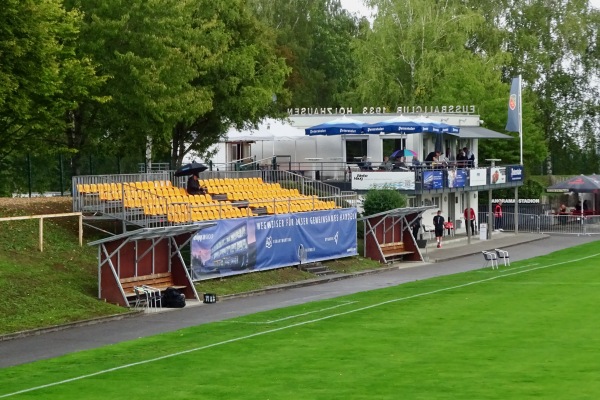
{"x":400,"y":180}
{"x":241,"y":245}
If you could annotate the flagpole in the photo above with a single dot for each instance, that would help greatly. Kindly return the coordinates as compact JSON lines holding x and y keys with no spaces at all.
{"x":520,"y":122}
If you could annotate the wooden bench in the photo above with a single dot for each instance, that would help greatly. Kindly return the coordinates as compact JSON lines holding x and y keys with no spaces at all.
{"x":159,"y":281}
{"x":395,"y":249}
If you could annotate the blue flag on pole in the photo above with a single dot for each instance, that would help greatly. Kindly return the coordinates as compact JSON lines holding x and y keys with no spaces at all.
{"x":512,"y":124}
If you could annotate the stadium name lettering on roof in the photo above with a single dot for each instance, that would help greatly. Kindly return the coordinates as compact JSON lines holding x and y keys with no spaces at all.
{"x":444,"y":109}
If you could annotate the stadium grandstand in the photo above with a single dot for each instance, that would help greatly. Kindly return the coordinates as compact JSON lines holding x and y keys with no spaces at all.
{"x":159,"y":199}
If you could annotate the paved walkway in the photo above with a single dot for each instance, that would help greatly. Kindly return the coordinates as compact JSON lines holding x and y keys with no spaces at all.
{"x":456,"y":256}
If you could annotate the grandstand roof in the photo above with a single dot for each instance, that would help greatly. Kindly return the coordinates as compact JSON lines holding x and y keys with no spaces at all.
{"x":399,"y":212}
{"x":153,"y":233}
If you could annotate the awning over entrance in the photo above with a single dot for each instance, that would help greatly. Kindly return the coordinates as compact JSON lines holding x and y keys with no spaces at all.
{"x":478,"y":132}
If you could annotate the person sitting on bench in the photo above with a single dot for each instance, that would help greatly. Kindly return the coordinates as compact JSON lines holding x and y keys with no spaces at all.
{"x":193,"y":186}
{"x":365,"y":165}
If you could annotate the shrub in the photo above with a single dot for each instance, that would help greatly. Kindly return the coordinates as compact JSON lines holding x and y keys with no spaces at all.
{"x":380,"y":200}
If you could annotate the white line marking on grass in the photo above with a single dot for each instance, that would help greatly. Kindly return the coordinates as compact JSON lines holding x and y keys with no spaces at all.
{"x":296,"y":315}
{"x":208,"y":346}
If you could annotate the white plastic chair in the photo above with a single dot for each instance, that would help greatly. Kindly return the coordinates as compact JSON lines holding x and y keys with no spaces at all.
{"x":490,"y":259}
{"x":504,"y":256}
{"x":141,"y":297}
{"x":429,"y":230}
{"x":154,"y":297}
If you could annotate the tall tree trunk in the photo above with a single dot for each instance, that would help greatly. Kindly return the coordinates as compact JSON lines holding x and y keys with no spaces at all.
{"x":75,"y":139}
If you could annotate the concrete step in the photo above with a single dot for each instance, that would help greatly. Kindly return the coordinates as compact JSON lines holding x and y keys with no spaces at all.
{"x":316,"y":269}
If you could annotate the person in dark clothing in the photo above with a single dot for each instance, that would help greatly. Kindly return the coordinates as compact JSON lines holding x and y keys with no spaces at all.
{"x":193,"y":185}
{"x":399,"y":164}
{"x":432,"y":157}
{"x":469,"y":157}
{"x":461,"y":159}
{"x":416,"y":226}
{"x":438,"y":224}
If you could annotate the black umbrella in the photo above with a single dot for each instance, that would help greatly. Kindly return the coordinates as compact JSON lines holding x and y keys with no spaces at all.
{"x":190,"y":169}
{"x":579,"y":184}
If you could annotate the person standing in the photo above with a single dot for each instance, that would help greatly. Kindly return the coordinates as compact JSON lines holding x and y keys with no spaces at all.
{"x":470,"y":220}
{"x":469,"y":157}
{"x":438,"y":225}
{"x":416,"y":227}
{"x":498,"y":217}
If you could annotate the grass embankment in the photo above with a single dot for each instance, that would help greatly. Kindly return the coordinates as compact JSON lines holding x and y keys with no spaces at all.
{"x":60,"y":284}
{"x":56,"y":286}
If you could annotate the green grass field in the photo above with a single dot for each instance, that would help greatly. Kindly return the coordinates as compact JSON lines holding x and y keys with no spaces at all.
{"x":529,"y":331}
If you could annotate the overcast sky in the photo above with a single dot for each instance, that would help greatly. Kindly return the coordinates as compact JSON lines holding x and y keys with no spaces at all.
{"x":358,"y":7}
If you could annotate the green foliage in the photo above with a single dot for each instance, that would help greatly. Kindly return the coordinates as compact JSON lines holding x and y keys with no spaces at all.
{"x":413,"y":48}
{"x":147,"y":51}
{"x":239,"y":71}
{"x":39,"y":74}
{"x":531,"y":189}
{"x":107,"y":77}
{"x":554,"y":47}
{"x":380,"y":200}
{"x":315,"y":39}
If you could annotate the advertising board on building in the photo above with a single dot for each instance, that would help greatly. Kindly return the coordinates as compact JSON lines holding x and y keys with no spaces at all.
{"x":477,"y":176}
{"x":514,"y":173}
{"x":433,"y":179}
{"x":497,"y":175}
{"x":400,"y":180}
{"x":457,"y":178}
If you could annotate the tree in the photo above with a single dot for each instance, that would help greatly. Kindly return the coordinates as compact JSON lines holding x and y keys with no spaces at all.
{"x":403,"y":58}
{"x":315,"y":38}
{"x":240,"y":73}
{"x":554,"y":47}
{"x":433,"y":52}
{"x":39,"y":74}
{"x":147,"y":53}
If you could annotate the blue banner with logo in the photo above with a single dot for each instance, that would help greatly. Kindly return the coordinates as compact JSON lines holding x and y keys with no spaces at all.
{"x":457,"y":178}
{"x":433,"y":179}
{"x":514,"y":173}
{"x":513,"y":120}
{"x":241,"y":245}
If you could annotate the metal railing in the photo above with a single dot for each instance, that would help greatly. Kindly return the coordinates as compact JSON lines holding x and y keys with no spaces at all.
{"x":547,"y":223}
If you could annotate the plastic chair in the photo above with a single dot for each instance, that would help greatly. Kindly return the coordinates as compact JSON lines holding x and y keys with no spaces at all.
{"x":449,"y":226}
{"x":154,"y":297}
{"x":430,"y":230}
{"x":490,"y":259}
{"x":141,"y":297}
{"x":504,"y":256}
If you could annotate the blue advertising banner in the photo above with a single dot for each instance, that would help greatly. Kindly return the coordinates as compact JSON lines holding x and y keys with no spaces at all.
{"x":514,"y":173}
{"x":457,"y":178}
{"x":433,"y":179}
{"x":241,"y":245}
